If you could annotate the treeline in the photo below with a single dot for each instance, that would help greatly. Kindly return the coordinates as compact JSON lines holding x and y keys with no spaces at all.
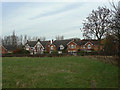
{"x":16,"y":40}
{"x":20,"y":40}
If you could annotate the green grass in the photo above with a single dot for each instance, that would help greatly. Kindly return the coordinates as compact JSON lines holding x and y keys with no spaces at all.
{"x":57,"y":72}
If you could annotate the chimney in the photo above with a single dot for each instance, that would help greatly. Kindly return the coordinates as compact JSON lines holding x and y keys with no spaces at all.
{"x":74,"y":40}
{"x":52,"y":41}
{"x":38,"y":39}
{"x":49,"y":41}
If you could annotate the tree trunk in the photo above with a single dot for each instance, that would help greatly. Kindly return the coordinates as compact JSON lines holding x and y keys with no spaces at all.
{"x":99,"y":44}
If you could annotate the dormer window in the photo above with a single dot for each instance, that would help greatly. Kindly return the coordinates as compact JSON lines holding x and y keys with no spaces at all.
{"x":27,"y":48}
{"x":61,"y":47}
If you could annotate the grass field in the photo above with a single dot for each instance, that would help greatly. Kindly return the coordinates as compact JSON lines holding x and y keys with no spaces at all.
{"x":57,"y":72}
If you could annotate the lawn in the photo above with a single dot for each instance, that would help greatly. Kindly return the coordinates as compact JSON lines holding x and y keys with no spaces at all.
{"x":57,"y":72}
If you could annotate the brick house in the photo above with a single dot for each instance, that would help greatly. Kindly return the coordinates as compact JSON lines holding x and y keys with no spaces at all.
{"x":7,"y":49}
{"x":88,"y":45}
{"x":3,"y":50}
{"x":37,"y":47}
{"x":73,"y":46}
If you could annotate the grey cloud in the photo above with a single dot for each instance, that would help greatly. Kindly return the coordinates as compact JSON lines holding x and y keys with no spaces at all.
{"x":63,"y":9}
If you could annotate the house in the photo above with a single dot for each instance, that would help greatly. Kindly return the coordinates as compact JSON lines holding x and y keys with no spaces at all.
{"x":88,"y":45}
{"x":7,"y":49}
{"x":59,"y":45}
{"x":3,"y":50}
{"x":37,"y":47}
{"x":10,"y":48}
{"x":73,"y":46}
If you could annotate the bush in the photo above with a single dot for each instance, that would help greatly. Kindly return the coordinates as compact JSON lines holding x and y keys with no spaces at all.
{"x":64,"y":51}
{"x":81,"y":52}
{"x":21,"y":51}
{"x":54,"y":52}
{"x":46,"y":52}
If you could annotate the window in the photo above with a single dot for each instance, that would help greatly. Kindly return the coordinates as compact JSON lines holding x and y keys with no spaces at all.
{"x":84,"y":46}
{"x":89,"y":46}
{"x":27,"y":48}
{"x":51,"y":47}
{"x":72,"y":46}
{"x":61,"y":47}
{"x":38,"y":48}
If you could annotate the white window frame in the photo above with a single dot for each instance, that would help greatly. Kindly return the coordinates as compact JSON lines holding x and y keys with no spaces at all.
{"x":61,"y":47}
{"x":89,"y":46}
{"x":72,"y":46}
{"x":27,"y":48}
{"x":51,"y":47}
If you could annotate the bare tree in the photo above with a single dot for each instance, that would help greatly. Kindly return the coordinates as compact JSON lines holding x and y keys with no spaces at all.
{"x":25,"y":39}
{"x":42,"y":38}
{"x":14,"y":39}
{"x":21,"y":39}
{"x":115,"y":26}
{"x":97,"y":24}
{"x":59,"y":37}
{"x":29,"y":38}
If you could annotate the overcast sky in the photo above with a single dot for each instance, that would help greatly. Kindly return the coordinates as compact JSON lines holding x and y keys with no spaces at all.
{"x":47,"y":19}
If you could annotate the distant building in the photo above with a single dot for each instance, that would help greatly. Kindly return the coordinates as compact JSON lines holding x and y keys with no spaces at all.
{"x":3,"y":50}
{"x":7,"y":49}
{"x":37,"y":47}
{"x":59,"y":46}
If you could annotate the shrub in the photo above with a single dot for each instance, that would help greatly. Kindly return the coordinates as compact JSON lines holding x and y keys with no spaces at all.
{"x":46,"y":52}
{"x":79,"y":50}
{"x":55,"y":52}
{"x":21,"y":51}
{"x":64,"y":51}
{"x":82,"y":53}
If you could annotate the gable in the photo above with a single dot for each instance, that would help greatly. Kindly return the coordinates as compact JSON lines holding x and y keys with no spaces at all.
{"x":71,"y":42}
{"x":38,"y":43}
{"x":3,"y":48}
{"x":88,"y":43}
